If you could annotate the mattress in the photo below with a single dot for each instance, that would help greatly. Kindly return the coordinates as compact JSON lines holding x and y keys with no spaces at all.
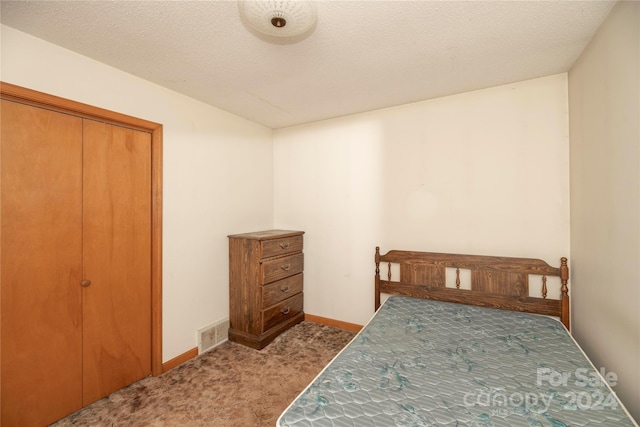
{"x":424,"y":363}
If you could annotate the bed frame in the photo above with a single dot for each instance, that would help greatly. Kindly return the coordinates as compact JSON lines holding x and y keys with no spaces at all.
{"x":496,"y":282}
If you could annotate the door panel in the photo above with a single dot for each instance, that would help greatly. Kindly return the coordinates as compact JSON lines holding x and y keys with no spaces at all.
{"x":117,"y":261}
{"x":41,"y":200}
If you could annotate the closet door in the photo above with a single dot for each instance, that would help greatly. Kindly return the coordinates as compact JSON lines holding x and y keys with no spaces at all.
{"x":41,"y":264}
{"x":117,"y":261}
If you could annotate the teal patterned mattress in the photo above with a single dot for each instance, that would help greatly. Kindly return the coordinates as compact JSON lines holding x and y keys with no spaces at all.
{"x":428,"y":363}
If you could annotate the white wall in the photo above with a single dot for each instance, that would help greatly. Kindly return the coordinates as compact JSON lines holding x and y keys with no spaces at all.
{"x":217,"y":174}
{"x":604,"y":100}
{"x":484,"y":172}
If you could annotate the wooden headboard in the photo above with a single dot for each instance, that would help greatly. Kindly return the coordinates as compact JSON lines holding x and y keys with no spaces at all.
{"x":497,"y":282}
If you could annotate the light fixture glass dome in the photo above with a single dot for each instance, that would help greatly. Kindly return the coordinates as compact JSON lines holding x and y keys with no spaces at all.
{"x":280,"y":18}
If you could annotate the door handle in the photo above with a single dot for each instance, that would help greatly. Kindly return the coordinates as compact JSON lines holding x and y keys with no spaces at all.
{"x":85,"y":283}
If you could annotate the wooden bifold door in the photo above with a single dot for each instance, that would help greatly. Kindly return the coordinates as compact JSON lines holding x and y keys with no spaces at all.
{"x":76,"y":255}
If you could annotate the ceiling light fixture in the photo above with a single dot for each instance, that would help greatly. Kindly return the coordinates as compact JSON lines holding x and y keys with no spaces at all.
{"x":280,"y":18}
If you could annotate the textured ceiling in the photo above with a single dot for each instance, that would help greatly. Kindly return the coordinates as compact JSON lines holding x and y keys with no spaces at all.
{"x":363,"y":55}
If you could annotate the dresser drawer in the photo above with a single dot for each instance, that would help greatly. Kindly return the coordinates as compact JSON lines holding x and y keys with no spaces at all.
{"x":283,"y":246}
{"x":281,"y":312}
{"x":279,"y":268}
{"x":282,"y":289}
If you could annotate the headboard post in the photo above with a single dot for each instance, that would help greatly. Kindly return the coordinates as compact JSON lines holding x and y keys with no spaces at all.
{"x":564,"y":297}
{"x":377,"y":290}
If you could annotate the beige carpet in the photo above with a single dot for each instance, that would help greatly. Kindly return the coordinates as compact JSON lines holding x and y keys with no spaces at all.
{"x":231,"y":385}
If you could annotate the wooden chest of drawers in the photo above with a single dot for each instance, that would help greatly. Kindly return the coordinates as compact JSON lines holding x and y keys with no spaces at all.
{"x":265,"y":285}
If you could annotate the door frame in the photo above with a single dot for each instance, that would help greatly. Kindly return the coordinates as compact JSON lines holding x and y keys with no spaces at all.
{"x":39,"y":99}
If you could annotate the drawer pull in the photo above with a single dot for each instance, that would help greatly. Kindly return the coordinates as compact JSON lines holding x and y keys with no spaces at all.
{"x":286,"y":267}
{"x":285,"y":311}
{"x":284,"y":245}
{"x":285,"y":288}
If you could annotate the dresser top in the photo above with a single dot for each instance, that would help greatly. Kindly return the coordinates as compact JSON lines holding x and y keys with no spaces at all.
{"x":266,"y":234}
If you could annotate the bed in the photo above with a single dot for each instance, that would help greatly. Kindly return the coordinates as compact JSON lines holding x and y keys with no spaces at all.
{"x":462,"y":340}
